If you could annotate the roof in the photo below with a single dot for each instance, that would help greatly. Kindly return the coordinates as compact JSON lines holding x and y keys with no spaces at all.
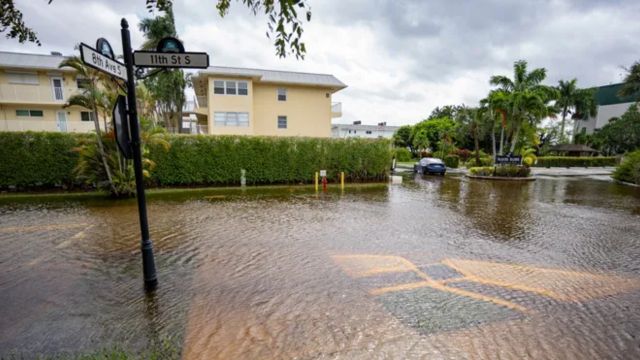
{"x":364,"y":127}
{"x":572,"y":148}
{"x":608,"y":95}
{"x":30,"y":61}
{"x":276,"y":76}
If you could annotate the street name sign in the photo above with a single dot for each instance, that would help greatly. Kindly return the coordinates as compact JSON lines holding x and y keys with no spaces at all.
{"x":194,"y":60}
{"x":96,"y":60}
{"x":508,"y":160}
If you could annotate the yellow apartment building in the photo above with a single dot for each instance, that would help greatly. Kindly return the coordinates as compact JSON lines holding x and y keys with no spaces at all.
{"x":241,"y":101}
{"x":33,"y":91}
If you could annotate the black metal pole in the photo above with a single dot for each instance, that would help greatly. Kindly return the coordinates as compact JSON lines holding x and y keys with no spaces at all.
{"x":148,"y":264}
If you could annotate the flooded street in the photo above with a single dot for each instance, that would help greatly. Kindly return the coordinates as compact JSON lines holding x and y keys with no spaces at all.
{"x":433,"y":268}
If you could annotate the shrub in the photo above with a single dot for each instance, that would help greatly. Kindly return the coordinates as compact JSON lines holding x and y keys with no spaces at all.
{"x":572,"y":161}
{"x":218,"y":160}
{"x":402,"y":154}
{"x":463,"y":154}
{"x":485,"y":160}
{"x":37,"y":159}
{"x":502,"y":171}
{"x":451,"y":161}
{"x":629,"y":169}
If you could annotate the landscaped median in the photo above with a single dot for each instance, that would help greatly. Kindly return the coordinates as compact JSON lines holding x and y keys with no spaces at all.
{"x":31,"y":160}
{"x":501,"y":172}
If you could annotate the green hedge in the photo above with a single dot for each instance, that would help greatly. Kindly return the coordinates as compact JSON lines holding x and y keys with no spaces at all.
{"x":218,"y":160}
{"x":629,"y":169}
{"x":41,"y":159}
{"x":37,"y":159}
{"x":572,"y":161}
{"x":402,"y":154}
{"x":502,"y":171}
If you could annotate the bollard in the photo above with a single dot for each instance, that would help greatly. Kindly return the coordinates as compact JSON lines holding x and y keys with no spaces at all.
{"x":342,"y":180}
{"x":316,"y":181}
{"x":243,"y":177}
{"x":324,"y":184}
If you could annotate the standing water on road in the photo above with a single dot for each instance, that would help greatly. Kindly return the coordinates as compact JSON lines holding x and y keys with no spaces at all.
{"x":439,"y":267}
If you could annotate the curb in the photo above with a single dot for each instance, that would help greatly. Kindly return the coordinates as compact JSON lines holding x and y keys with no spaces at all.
{"x":500,"y":178}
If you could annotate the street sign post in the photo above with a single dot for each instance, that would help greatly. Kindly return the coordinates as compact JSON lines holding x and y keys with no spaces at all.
{"x":192,"y":60}
{"x":121,"y":126}
{"x":96,"y":60}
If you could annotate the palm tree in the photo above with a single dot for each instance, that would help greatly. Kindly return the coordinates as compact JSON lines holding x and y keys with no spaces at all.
{"x":92,"y":98}
{"x":580,"y":103}
{"x":495,"y":108}
{"x":528,"y":98}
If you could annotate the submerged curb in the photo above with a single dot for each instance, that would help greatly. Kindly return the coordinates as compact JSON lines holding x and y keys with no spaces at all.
{"x":501,"y":178}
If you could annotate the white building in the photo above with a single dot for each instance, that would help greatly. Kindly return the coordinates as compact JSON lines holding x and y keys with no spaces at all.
{"x":363,"y":131}
{"x":610,"y":105}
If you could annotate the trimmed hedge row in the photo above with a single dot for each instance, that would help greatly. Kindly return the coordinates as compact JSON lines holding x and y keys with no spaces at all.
{"x":501,"y":171}
{"x":37,"y":159}
{"x":629,"y":169}
{"x":41,"y":159}
{"x":573,"y":161}
{"x":203,"y":159}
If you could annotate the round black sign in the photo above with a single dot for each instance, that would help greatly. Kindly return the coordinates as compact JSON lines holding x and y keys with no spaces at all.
{"x":104,"y":48}
{"x":170,"y":45}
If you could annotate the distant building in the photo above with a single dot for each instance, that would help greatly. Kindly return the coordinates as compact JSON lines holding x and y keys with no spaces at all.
{"x":363,"y":131}
{"x":610,"y":105}
{"x":241,"y":101}
{"x":33,"y":90}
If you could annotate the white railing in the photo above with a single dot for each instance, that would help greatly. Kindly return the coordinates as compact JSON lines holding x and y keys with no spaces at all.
{"x":34,"y":93}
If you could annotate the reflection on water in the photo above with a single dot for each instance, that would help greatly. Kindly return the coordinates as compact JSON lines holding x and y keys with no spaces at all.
{"x":437,"y":268}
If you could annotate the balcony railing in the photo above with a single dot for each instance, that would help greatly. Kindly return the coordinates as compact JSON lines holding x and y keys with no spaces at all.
{"x":202,"y":101}
{"x":34,"y":94}
{"x":336,"y":109}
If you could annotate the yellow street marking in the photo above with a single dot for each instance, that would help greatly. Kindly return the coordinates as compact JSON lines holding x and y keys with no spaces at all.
{"x":366,"y":265}
{"x":562,"y":285}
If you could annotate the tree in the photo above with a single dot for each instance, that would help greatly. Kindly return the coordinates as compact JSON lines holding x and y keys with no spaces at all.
{"x":621,"y":134}
{"x":435,"y":130}
{"x":528,"y":99}
{"x":95,"y":99}
{"x":580,"y":103}
{"x":402,"y":136}
{"x":448,"y":111}
{"x":285,"y":21}
{"x":631,"y":85}
{"x":166,"y":87}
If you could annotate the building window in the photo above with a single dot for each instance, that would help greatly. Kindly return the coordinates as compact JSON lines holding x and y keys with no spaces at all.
{"x":218,"y":87}
{"x":242,"y":88}
{"x":282,"y":94}
{"x":231,"y":119}
{"x":83,"y":83}
{"x":86,"y":116}
{"x":282,"y":122}
{"x":368,"y":132}
{"x":30,"y":113}
{"x":23,"y":78}
{"x":231,"y":87}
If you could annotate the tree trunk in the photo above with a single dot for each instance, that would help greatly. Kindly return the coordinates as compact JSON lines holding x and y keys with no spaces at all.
{"x":102,"y":153}
{"x":476,"y":144}
{"x":501,"y":140}
{"x":493,"y":144}
{"x":564,"y":116}
{"x":514,"y":139}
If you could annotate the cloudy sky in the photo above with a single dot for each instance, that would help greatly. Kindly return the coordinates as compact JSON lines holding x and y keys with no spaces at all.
{"x":400,"y":59}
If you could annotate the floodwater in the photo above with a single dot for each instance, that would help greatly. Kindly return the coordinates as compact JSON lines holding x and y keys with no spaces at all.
{"x":433,"y":268}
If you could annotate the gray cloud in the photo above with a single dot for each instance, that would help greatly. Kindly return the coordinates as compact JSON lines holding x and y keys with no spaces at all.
{"x":399,"y":58}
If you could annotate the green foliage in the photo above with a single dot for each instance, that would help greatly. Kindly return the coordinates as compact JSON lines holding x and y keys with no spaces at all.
{"x":452,"y":161}
{"x":574,"y":161}
{"x":622,"y":134}
{"x":629,"y":169}
{"x":447,"y":111}
{"x":402,"y":136}
{"x":529,"y":157}
{"x":431,"y":131}
{"x":485,"y":160}
{"x":37,"y":159}
{"x":402,"y":154}
{"x":11,"y":19}
{"x":218,"y":160}
{"x":501,"y":171}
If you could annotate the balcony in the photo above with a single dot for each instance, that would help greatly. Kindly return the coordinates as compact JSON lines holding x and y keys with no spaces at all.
{"x":336,"y":110}
{"x":34,"y":94}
